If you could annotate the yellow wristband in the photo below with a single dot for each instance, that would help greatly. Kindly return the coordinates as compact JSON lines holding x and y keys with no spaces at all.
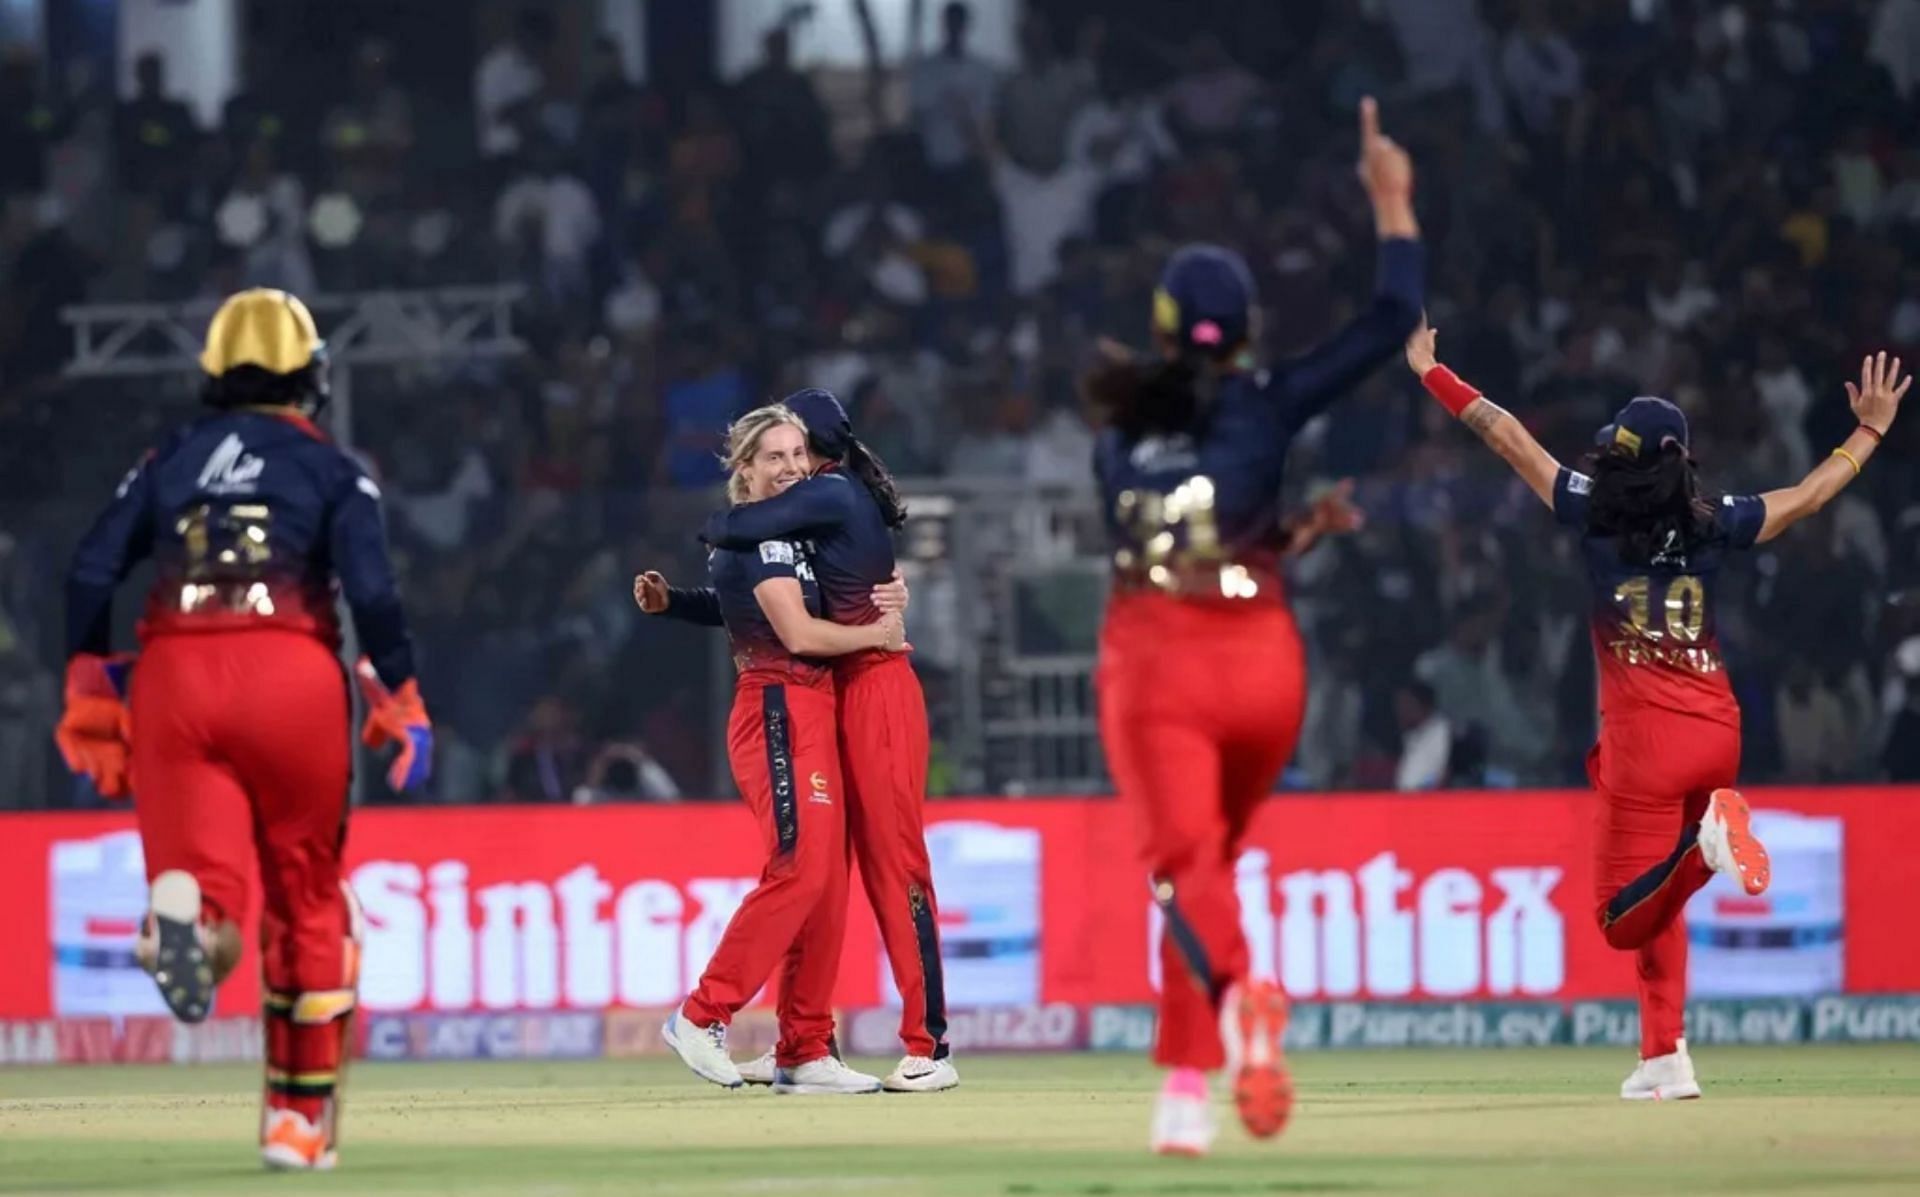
{"x":1850,"y":460}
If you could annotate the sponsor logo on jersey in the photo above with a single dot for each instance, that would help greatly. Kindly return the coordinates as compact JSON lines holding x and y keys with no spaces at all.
{"x":1579,"y":484}
{"x":776,"y":552}
{"x":231,"y":470}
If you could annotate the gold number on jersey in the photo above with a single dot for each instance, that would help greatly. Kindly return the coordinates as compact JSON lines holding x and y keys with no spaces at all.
{"x":1684,"y":604}
{"x":218,"y":540}
{"x":1686,"y":607}
{"x":1180,"y":519}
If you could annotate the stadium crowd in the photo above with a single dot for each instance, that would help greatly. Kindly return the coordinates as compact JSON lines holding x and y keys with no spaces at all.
{"x":1716,"y":202}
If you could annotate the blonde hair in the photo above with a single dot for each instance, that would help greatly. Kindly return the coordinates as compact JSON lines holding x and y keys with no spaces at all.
{"x":743,"y":441}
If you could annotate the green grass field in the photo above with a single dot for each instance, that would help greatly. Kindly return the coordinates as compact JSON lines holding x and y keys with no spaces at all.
{"x":1800,"y":1120}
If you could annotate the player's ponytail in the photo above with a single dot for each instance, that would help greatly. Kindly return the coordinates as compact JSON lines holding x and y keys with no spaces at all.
{"x":863,"y":463}
{"x":1651,"y":508}
{"x":1144,"y":398}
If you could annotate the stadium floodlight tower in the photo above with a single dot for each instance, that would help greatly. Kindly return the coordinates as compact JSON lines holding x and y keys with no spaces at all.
{"x":389,"y":328}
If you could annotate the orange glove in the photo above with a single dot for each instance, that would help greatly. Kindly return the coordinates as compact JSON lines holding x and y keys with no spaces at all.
{"x":95,"y":734}
{"x":397,"y":717}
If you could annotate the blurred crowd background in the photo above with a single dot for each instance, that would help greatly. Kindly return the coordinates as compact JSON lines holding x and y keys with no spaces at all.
{"x":1716,"y":202}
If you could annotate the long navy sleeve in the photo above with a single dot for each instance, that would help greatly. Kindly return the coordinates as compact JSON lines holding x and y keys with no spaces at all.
{"x":694,"y":604}
{"x":1306,"y":386}
{"x":359,"y":549}
{"x":118,"y":540}
{"x":807,"y":508}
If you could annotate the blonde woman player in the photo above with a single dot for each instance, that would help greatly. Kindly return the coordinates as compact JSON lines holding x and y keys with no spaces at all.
{"x":783,"y":744}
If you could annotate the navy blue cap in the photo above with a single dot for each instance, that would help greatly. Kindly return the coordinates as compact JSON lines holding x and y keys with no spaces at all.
{"x":826,"y":421}
{"x":1205,"y":298}
{"x":1641,"y":427}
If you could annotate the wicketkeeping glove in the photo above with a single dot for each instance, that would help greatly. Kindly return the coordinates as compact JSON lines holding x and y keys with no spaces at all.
{"x":95,"y":734}
{"x":397,"y":717}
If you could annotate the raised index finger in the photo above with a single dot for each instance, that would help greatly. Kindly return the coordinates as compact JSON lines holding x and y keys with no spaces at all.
{"x":1369,"y":120}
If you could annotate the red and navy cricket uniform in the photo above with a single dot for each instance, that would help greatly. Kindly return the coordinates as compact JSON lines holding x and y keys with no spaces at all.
{"x":883,"y":731}
{"x":783,"y":746}
{"x":1202,"y":679}
{"x":1669,"y":736}
{"x":240,"y":707}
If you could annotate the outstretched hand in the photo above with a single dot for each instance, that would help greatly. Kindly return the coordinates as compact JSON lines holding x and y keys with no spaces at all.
{"x":1876,"y":401}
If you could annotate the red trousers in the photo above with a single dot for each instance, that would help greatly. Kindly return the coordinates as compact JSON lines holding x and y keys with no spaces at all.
{"x":783,"y":744}
{"x":1200,"y":706}
{"x":1654,"y":771}
{"x":883,"y":752}
{"x":241,"y":758}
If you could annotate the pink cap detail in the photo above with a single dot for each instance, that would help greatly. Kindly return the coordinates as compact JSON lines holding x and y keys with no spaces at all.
{"x":1206,"y":333}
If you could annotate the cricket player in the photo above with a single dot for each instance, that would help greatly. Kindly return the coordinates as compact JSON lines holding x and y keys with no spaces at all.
{"x":783,"y":744}
{"x":233,"y":738}
{"x":1201,"y":679}
{"x":1669,"y":746}
{"x":849,"y":510}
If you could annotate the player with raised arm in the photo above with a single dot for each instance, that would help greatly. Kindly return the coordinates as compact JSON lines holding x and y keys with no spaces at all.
{"x":234,"y":741}
{"x":1202,"y":680}
{"x":783,"y":744}
{"x":1669,"y":745}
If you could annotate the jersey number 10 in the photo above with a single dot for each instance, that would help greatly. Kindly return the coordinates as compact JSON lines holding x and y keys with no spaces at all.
{"x":1683,"y":599}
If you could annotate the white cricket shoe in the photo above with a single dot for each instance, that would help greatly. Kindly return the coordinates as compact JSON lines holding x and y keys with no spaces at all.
{"x":1183,"y":1122}
{"x":1663,"y":1078}
{"x":703,"y":1049}
{"x":760,"y":1070}
{"x":825,"y":1075}
{"x":921,"y":1074}
{"x":1728,"y":845}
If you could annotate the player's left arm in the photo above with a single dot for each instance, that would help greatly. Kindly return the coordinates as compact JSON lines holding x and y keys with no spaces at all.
{"x":1875,"y":402}
{"x":396,"y":712}
{"x":1306,"y":387}
{"x":807,"y":508}
{"x":1492,"y":423}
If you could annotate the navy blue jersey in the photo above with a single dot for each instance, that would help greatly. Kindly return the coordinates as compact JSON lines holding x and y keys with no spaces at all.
{"x":251,"y":517}
{"x":852,"y":547}
{"x":733,"y":575}
{"x":1654,"y":631}
{"x":1198,"y":513}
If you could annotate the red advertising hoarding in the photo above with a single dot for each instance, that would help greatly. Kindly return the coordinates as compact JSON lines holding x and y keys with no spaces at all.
{"x":1436,"y":896}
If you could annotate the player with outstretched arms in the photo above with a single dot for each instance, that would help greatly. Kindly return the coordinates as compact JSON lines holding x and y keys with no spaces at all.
{"x":1668,"y":753}
{"x":783,"y":745}
{"x":848,"y":512}
{"x":1202,"y":679}
{"x":234,"y":738}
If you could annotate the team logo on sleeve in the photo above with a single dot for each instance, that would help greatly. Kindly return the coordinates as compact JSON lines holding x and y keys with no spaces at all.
{"x":1579,"y":484}
{"x":231,"y":470}
{"x":776,"y":552}
{"x":818,"y":781}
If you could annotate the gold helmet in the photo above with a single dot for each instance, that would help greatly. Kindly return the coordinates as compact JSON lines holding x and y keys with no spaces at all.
{"x":274,"y":333}
{"x":262,"y":327}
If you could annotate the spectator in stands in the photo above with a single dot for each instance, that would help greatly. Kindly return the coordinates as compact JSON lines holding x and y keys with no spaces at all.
{"x":549,"y":218}
{"x":156,"y":138}
{"x":1541,"y":70}
{"x":550,"y":758}
{"x":1815,"y":737}
{"x":28,"y":127}
{"x":1039,"y":101}
{"x":950,"y":92}
{"x":1426,"y":739}
{"x":509,"y":83}
{"x":782,"y":125}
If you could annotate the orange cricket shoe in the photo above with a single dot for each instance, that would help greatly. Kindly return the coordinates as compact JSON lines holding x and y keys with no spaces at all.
{"x":1728,"y":844}
{"x":1253,"y":1018}
{"x":289,"y":1143}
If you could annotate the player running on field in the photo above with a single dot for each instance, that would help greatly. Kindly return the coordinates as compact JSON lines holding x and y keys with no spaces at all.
{"x":783,"y":744}
{"x":1669,"y":746}
{"x":239,"y":710}
{"x":1201,"y":679}
{"x":849,"y":511}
